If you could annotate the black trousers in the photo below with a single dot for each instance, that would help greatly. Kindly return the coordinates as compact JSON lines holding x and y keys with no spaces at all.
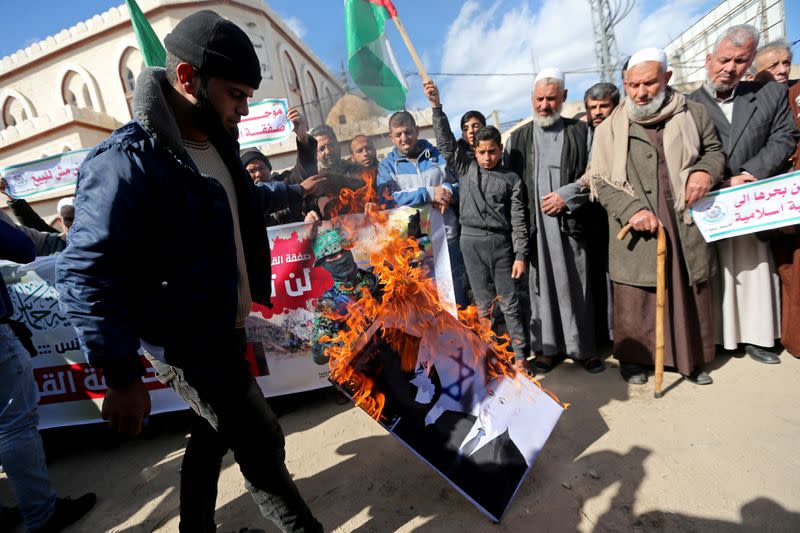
{"x":489,"y":258}
{"x":233,"y":416}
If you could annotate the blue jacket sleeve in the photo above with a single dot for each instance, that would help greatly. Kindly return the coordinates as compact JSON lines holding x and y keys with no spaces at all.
{"x":15,"y":245}
{"x":93,"y":274}
{"x":386,"y":186}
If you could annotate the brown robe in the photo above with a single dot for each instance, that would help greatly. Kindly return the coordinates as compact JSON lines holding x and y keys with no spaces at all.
{"x":689,"y":310}
{"x":786,"y":248}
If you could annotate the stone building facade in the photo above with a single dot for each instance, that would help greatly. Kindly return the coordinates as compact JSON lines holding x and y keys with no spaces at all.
{"x":70,"y":90}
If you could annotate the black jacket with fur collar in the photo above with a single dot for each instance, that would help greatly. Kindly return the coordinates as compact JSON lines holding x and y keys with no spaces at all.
{"x":151,"y":253}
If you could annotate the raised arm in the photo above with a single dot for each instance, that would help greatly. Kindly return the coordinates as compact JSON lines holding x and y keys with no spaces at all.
{"x":445,"y":140}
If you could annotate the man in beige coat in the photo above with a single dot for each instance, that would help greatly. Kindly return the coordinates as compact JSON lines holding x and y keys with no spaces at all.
{"x":651,"y":160}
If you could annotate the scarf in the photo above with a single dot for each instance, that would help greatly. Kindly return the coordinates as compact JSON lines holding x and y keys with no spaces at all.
{"x":610,"y":149}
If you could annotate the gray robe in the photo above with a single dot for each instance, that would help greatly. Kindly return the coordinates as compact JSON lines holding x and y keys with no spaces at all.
{"x":562,"y":322}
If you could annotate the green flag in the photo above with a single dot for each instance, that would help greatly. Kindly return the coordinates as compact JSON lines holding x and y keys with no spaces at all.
{"x":372,"y":64}
{"x":151,"y":47}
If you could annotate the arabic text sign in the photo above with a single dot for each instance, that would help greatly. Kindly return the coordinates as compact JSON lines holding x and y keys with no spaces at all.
{"x":762,"y":205}
{"x":43,"y":175}
{"x":265,"y":123}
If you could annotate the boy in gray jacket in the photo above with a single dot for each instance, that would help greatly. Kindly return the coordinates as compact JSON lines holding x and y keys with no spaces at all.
{"x":494,"y":236}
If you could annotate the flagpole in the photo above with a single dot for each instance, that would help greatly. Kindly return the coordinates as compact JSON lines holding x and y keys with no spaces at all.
{"x":417,"y":61}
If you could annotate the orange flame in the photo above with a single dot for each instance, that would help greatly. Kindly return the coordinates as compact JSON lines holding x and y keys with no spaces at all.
{"x":410,"y":295}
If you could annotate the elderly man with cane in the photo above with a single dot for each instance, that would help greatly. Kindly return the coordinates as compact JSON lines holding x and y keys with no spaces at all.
{"x":651,"y":160}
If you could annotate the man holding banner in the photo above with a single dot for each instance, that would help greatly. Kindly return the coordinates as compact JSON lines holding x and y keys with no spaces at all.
{"x":180,"y":284}
{"x":758,"y":135}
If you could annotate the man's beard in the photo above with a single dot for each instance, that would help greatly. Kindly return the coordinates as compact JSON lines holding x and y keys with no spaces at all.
{"x":206,"y":117}
{"x":649,"y":110}
{"x":723,"y":88}
{"x":548,"y":121}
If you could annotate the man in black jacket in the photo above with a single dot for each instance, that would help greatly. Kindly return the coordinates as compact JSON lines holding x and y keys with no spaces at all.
{"x":182,"y":290}
{"x":550,"y":155}
{"x":758,"y":135}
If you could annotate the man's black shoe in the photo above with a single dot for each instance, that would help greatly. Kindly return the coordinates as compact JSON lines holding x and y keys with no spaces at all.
{"x":761,"y":355}
{"x":594,"y":365}
{"x":699,"y":377}
{"x":67,"y":512}
{"x":633,"y":373}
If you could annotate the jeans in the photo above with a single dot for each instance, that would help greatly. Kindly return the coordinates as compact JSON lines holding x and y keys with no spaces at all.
{"x":235,"y":416}
{"x":21,"y":452}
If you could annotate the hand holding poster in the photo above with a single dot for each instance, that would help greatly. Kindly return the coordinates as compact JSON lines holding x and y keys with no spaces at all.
{"x":748,"y":208}
{"x":43,"y":175}
{"x":266,"y":123}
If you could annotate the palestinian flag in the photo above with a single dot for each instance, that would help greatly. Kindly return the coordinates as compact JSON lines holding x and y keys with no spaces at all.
{"x":149,"y":44}
{"x":372,"y":64}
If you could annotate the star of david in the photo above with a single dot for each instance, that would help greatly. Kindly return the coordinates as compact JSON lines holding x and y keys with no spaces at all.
{"x":465,"y":372}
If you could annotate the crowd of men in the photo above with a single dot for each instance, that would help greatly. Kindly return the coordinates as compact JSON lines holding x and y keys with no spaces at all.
{"x":530,"y":225}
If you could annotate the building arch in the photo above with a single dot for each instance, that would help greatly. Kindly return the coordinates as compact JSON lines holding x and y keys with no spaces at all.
{"x":329,"y":101}
{"x":131,"y":64}
{"x":313,"y":101}
{"x":291,"y":78}
{"x":14,"y":108}
{"x":81,"y":85}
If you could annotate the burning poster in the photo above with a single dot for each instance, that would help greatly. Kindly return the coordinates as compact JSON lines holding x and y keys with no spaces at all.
{"x":445,"y":386}
{"x":280,"y":338}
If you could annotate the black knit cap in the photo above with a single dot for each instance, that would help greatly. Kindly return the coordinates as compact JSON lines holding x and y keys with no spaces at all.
{"x":216,"y":47}
{"x":253,"y":154}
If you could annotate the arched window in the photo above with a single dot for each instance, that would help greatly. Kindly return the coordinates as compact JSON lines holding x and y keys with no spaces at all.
{"x":130,"y":65}
{"x":13,"y":112}
{"x":74,"y":90}
{"x":293,"y":81}
{"x":328,"y":102}
{"x":316,"y":105}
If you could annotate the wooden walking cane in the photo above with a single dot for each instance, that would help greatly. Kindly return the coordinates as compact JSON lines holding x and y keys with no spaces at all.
{"x":661,"y":290}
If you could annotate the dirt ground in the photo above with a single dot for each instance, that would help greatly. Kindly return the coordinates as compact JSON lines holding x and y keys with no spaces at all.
{"x":717,"y":458}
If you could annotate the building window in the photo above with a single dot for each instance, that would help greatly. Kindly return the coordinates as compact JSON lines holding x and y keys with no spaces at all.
{"x":130,"y":65}
{"x":328,"y":101}
{"x":74,"y":90}
{"x":342,"y":119}
{"x":13,"y":112}
{"x":315,"y":103}
{"x":293,"y":81}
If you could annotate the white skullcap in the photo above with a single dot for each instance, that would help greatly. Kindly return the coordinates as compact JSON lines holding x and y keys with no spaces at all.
{"x":648,"y":54}
{"x":549,"y":73}
{"x":69,"y":201}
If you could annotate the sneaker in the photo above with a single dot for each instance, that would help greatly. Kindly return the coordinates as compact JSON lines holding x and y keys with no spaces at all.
{"x":67,"y":512}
